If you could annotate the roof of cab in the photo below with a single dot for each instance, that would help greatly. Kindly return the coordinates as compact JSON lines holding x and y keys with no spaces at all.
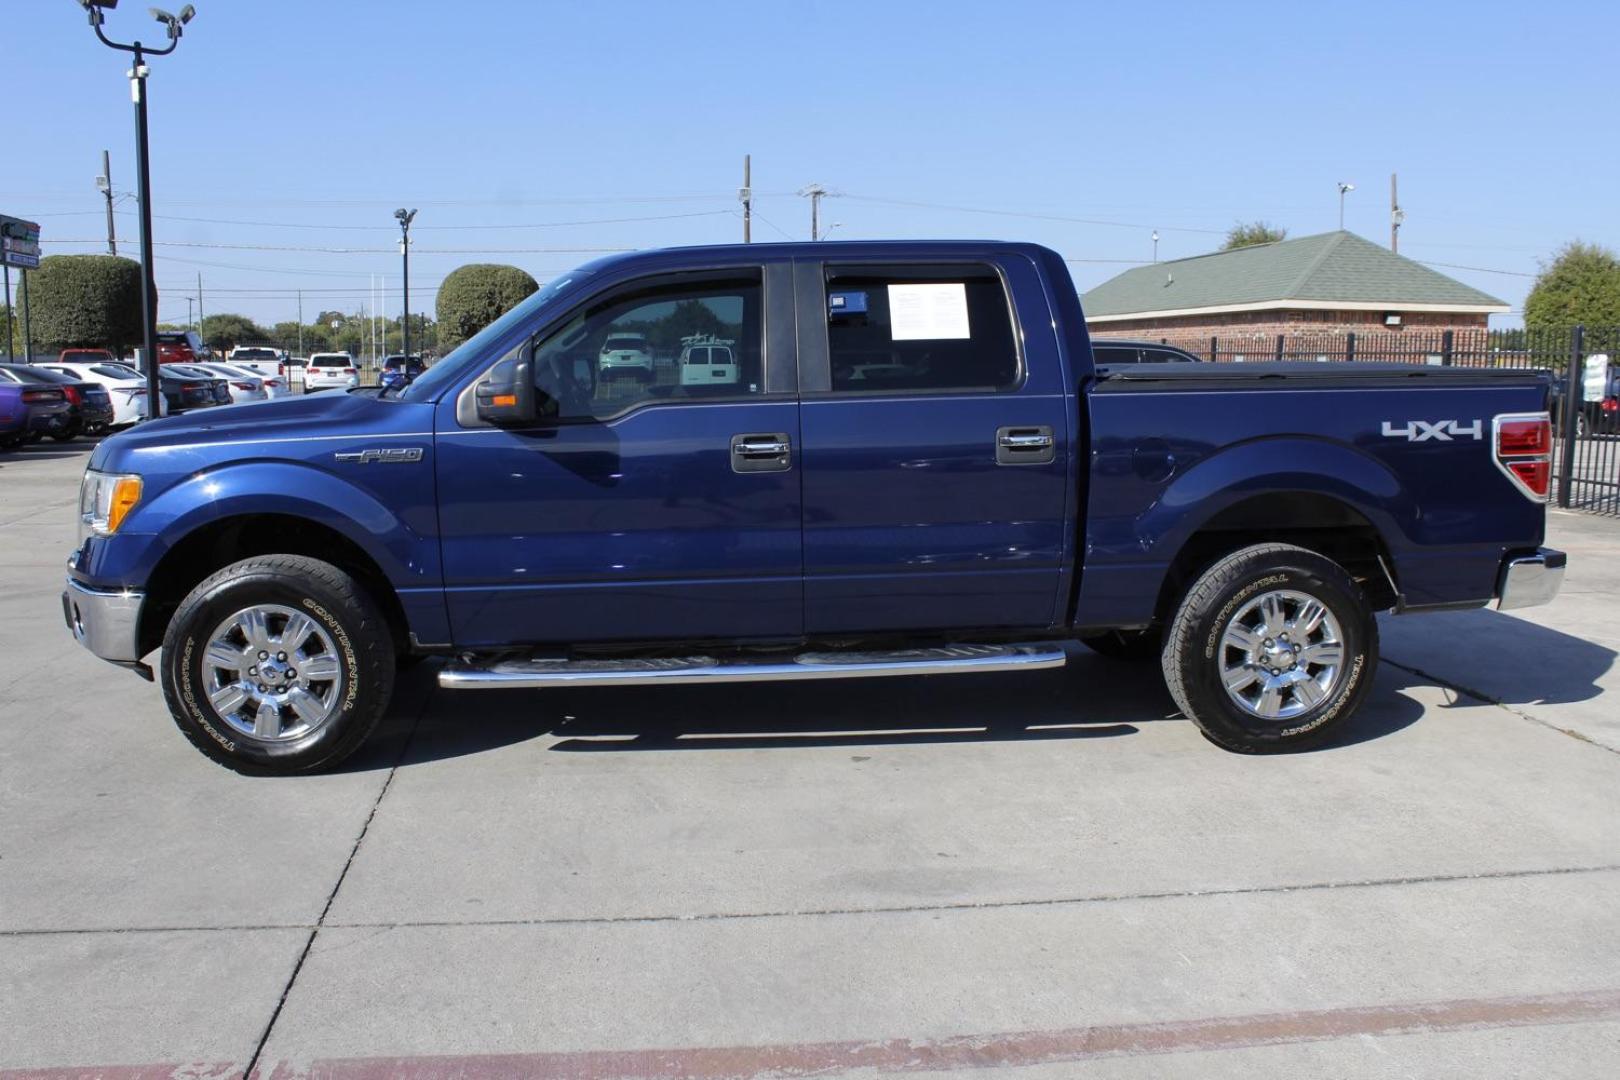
{"x":652,"y":258}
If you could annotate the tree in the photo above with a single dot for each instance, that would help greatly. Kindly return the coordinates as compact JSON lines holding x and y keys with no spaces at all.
{"x":473,"y":296}
{"x":1580,"y":286}
{"x":224,"y":330}
{"x":1247,"y":234}
{"x":86,"y":301}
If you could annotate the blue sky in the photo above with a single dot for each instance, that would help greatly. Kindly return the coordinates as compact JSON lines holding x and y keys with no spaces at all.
{"x":300,"y":125}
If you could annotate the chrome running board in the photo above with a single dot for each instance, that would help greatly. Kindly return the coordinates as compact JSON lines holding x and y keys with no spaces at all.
{"x":531,"y":673}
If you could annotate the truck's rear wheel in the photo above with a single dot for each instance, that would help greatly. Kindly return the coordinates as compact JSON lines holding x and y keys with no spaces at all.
{"x":278,"y":664}
{"x":1272,"y":647}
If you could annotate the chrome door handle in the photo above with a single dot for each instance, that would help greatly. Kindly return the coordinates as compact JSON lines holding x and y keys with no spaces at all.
{"x":1032,"y":445}
{"x":762,"y":452}
{"x":1025,"y":442}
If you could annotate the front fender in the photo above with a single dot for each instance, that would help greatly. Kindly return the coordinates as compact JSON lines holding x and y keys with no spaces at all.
{"x":401,"y":537}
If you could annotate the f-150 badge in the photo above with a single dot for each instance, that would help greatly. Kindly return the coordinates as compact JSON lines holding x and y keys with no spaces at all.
{"x":394,"y":456}
{"x":1442,"y":430}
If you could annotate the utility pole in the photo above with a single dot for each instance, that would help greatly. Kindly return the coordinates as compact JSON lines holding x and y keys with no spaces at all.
{"x":28,"y":336}
{"x":405,"y":217}
{"x":104,"y":185}
{"x":746,"y":194}
{"x":301,"y":323}
{"x":190,"y":322}
{"x":814,"y":193}
{"x":5,"y":268}
{"x":1155,"y":245}
{"x":199,"y":302}
{"x":1345,"y":188}
{"x":1396,"y":217}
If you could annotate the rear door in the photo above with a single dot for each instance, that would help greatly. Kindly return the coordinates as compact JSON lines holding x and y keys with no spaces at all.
{"x":936,"y":447}
{"x":635,"y":509}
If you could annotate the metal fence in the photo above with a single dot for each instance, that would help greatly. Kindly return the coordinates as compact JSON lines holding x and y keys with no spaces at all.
{"x":1584,"y":361}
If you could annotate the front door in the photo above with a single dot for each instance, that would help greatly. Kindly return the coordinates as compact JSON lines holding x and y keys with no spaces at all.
{"x":936,"y":449}
{"x":642,"y":507}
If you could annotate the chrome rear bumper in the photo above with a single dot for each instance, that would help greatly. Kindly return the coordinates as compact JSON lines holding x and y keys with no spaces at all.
{"x":106,"y":623}
{"x":1528,"y":580}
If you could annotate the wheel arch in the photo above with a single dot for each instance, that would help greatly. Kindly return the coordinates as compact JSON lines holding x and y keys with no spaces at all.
{"x":221,"y":541}
{"x":1327,"y":524}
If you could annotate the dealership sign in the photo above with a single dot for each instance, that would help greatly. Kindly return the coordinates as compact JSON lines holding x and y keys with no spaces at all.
{"x":19,"y":243}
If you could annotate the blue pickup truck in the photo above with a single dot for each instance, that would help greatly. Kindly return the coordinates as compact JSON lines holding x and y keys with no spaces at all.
{"x":910,"y":465}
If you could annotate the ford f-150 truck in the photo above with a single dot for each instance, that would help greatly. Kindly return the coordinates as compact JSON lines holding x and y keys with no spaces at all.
{"x":918,"y":470}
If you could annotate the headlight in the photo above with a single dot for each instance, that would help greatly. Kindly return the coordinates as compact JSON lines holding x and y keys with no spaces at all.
{"x":105,"y":500}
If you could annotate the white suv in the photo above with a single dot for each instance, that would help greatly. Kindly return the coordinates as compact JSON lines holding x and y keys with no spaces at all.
{"x":331,"y":371}
{"x":626,"y":354}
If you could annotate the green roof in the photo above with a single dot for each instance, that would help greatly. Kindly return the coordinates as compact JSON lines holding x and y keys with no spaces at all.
{"x":1332,"y":269}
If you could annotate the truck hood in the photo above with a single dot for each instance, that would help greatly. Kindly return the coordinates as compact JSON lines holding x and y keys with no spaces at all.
{"x":253,"y":428}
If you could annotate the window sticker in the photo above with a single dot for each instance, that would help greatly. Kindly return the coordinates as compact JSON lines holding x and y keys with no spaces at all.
{"x":928,"y":312}
{"x":846,"y":303}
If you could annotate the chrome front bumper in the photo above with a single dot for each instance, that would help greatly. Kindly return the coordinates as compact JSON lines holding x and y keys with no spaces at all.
{"x":1528,"y":580}
{"x":106,"y":623}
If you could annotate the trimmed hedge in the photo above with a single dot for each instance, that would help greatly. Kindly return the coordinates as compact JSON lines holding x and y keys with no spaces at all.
{"x":475,"y":295}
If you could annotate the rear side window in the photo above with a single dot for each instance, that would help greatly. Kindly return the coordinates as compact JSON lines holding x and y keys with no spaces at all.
{"x":1115,"y":354}
{"x":923,"y":329}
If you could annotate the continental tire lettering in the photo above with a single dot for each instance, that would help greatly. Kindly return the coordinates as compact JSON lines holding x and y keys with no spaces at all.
{"x":352,"y":662}
{"x":189,"y":698}
{"x":1232,"y":605}
{"x":1338,"y":706}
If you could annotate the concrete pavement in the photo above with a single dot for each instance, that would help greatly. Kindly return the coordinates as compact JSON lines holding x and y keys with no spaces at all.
{"x":949,"y":876}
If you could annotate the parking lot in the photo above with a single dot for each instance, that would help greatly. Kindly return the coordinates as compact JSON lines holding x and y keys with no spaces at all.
{"x":942,"y":877}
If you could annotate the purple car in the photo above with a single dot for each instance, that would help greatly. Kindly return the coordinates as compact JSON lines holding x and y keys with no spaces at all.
{"x":28,"y":411}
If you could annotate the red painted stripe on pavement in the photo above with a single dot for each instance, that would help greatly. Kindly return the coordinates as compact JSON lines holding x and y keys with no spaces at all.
{"x":975,"y":1051}
{"x":998,"y":1050}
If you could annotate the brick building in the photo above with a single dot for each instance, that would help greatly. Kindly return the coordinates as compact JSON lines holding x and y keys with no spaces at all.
{"x":1314,"y":295}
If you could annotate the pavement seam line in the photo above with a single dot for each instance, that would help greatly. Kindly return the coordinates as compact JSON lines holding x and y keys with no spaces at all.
{"x":991,"y":905}
{"x":331,"y":897}
{"x":1489,"y":700}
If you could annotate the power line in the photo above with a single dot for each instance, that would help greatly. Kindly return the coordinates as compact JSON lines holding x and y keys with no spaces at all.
{"x":374,"y":251}
{"x":1032,"y":216}
{"x":1476,"y":269}
{"x":453,"y":228}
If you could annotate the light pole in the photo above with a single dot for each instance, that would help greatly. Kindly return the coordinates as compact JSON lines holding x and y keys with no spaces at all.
{"x":1155,"y":245}
{"x":173,"y":24}
{"x":405,"y":218}
{"x":1344,"y":189}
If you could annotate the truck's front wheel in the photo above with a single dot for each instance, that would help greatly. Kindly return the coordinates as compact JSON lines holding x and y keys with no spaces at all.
{"x":1271,"y":648}
{"x":278,"y":664}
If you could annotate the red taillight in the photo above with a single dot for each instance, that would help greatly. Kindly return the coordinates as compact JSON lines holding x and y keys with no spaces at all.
{"x":40,"y":396}
{"x":1610,"y":405}
{"x":1523,"y":451}
{"x":72,"y":394}
{"x":1523,"y":436}
{"x":1535,"y":475}
{"x":193,"y":386}
{"x":242,"y":385}
{"x":348,"y":371}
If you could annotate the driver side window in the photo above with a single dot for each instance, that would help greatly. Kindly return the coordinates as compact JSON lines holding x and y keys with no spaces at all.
{"x":670,"y":342}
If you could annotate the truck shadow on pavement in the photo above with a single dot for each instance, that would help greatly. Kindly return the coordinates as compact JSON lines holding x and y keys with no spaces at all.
{"x":1091,"y":698}
{"x":1497,"y":657}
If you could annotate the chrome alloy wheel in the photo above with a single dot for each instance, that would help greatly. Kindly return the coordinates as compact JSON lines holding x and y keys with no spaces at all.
{"x":1281,"y":655}
{"x":272,"y":673}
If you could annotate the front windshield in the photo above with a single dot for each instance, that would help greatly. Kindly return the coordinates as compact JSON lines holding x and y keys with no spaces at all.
{"x":443,"y":373}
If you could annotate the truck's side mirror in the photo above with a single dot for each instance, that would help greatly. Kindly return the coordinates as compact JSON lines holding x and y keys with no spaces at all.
{"x":506,"y":395}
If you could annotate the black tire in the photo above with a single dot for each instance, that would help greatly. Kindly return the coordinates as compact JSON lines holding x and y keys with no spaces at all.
{"x":1194,"y":650}
{"x":330,"y":597}
{"x":1134,"y":646}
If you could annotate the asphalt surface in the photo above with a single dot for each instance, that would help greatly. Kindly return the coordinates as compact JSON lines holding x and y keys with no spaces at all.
{"x":1047,"y":872}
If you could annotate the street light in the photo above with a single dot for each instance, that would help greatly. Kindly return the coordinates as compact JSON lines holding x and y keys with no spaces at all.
{"x":173,"y":25}
{"x":1155,"y":245}
{"x":1344,"y":189}
{"x":405,"y":218}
